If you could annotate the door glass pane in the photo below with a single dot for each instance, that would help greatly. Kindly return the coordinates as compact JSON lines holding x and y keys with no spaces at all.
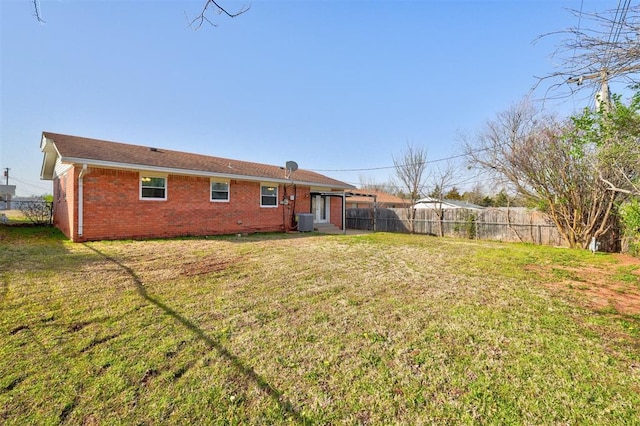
{"x":323,"y":208}
{"x":319,"y":207}
{"x":327,"y":204}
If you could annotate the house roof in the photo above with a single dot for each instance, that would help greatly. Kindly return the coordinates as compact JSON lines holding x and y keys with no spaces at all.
{"x":100,"y":153}
{"x":366,"y":196}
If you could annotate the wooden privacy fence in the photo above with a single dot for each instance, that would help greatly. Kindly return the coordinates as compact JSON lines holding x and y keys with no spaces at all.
{"x":501,"y":224}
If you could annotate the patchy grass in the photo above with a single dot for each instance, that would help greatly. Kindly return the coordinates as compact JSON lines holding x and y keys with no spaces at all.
{"x":15,"y":217}
{"x":273,"y":329}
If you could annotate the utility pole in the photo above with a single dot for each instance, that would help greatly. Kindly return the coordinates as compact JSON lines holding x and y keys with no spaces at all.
{"x":7,"y":189}
{"x":603,"y":97}
{"x":603,"y":100}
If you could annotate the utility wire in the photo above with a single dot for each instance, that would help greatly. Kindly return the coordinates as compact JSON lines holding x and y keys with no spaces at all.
{"x":612,"y":39}
{"x":453,"y":157}
{"x":479,"y":177}
{"x":576,"y":47}
{"x":616,"y":27}
{"x":24,"y":182}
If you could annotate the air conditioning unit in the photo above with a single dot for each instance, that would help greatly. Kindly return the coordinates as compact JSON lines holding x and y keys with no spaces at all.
{"x":305,"y":222}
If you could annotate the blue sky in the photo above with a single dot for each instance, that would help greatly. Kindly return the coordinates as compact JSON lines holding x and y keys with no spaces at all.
{"x":332,"y":85}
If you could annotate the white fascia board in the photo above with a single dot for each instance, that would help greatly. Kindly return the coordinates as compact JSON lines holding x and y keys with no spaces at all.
{"x":44,"y":142}
{"x":49,"y":160}
{"x":299,"y":182}
{"x":186,"y":172}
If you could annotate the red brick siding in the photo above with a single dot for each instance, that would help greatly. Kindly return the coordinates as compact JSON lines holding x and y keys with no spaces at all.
{"x":64,"y":202}
{"x":300,"y":204}
{"x":335,"y":214}
{"x":113,"y":209}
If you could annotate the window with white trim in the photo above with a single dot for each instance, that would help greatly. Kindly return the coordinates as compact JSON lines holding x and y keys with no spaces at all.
{"x":219,"y":191}
{"x":268,"y":195}
{"x":153,"y":187}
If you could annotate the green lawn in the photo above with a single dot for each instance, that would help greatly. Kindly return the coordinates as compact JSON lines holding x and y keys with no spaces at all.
{"x":314,"y":329}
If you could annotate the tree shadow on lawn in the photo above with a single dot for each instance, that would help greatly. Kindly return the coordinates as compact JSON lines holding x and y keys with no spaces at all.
{"x":211,"y":343}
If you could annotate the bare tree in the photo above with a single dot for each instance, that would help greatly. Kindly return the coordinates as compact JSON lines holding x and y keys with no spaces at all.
{"x":535,"y":154}
{"x":442,"y":180}
{"x":476,"y":195}
{"x":601,"y":49}
{"x":37,"y":210}
{"x":372,"y":184}
{"x":410,"y":169}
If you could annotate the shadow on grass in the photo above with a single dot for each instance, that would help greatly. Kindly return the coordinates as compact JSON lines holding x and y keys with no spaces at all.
{"x":244,"y":369}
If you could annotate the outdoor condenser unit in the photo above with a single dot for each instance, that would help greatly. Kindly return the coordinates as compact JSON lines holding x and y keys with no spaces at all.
{"x":305,"y":222}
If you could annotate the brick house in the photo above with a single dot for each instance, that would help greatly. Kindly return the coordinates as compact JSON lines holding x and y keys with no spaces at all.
{"x":107,"y":190}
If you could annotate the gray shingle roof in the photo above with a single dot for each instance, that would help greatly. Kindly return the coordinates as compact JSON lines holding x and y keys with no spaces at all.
{"x":75,"y":149}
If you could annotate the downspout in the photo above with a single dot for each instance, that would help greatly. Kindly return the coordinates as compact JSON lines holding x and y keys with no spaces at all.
{"x":80,"y":203}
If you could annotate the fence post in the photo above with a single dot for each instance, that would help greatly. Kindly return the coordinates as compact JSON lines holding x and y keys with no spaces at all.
{"x":539,"y":234}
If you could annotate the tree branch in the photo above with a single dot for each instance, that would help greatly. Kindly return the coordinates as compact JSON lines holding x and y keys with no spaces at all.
{"x":615,"y":188}
{"x":610,"y":43}
{"x":36,"y":13}
{"x":202,"y":17}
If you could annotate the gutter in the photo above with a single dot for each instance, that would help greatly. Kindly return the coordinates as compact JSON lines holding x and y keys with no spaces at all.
{"x":80,"y":196}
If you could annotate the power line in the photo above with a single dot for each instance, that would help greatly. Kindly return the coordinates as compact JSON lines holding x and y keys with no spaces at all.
{"x":478,"y":177}
{"x":616,"y":28}
{"x":23,"y":182}
{"x":367,"y":169}
{"x":612,"y":39}
{"x":575,"y":47}
{"x":614,"y":35}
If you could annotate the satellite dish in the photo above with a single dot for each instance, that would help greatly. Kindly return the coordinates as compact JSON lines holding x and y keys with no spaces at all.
{"x":291,"y":166}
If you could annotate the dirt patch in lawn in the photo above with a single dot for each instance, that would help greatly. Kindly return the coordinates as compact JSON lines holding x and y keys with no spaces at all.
{"x":609,"y":286}
{"x":205,"y":266}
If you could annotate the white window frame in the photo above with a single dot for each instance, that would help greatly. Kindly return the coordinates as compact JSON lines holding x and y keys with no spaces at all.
{"x":155,"y":176}
{"x":264,"y":185}
{"x":219,"y":200}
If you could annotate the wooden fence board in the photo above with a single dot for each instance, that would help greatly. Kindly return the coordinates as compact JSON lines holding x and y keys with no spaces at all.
{"x":499,"y":224}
